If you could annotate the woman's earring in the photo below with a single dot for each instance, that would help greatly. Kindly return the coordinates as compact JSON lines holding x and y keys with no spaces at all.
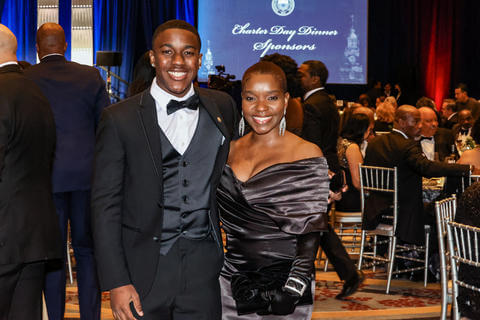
{"x":241,"y":126}
{"x":283,"y":124}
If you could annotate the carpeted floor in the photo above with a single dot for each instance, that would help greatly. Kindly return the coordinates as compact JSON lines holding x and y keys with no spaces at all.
{"x":407,"y":300}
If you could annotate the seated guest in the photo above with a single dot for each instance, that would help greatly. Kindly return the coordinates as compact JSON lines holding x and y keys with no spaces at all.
{"x":371,"y":118}
{"x":427,"y":102}
{"x":294,"y":115}
{"x":391,"y":100}
{"x":357,"y":129}
{"x":449,"y":114}
{"x":385,"y":115}
{"x":468,"y":212}
{"x":400,"y":149}
{"x":462,"y":131}
{"x":473,"y":156}
{"x":434,"y":140}
{"x":365,"y":100}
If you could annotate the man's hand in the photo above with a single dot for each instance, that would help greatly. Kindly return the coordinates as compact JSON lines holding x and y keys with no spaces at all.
{"x":120,"y":299}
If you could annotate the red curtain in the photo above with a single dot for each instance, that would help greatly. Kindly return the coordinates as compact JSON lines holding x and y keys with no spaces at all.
{"x":438,"y":48}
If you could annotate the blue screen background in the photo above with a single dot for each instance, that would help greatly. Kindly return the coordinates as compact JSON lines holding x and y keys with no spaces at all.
{"x":344,"y":51}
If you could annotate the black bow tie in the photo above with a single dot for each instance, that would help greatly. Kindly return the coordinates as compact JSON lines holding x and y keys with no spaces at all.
{"x":190,"y":103}
{"x":426,"y":138}
{"x":463,"y":131}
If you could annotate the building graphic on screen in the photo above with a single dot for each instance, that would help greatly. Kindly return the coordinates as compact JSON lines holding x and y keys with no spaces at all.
{"x":207,"y":63}
{"x":351,"y":70}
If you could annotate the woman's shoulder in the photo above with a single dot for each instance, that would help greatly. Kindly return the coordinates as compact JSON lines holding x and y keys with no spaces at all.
{"x":303,"y":149}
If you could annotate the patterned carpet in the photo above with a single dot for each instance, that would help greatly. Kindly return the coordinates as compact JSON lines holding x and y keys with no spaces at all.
{"x":407,"y":300}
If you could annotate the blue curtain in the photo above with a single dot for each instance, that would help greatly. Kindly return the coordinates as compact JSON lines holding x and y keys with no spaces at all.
{"x":128,"y":26}
{"x":20,"y":16}
{"x":65,"y":20}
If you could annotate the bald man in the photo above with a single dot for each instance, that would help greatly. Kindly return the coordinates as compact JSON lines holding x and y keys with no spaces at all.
{"x":401,"y":149}
{"x":436,"y":142}
{"x":29,"y":233}
{"x":77,"y":96}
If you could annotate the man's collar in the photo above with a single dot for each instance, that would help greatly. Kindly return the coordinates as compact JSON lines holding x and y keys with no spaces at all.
{"x":401,"y":132}
{"x":164,"y":97}
{"x":450,"y":116}
{"x":8,"y":63}
{"x":51,"y":54}
{"x":309,"y":93}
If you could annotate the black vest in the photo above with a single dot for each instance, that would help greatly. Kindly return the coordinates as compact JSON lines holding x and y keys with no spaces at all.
{"x":186,"y":183}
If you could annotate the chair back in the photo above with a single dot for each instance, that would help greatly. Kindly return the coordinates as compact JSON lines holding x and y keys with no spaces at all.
{"x":464,"y":247}
{"x":468,"y":180}
{"x":379,"y":179}
{"x":444,"y":212}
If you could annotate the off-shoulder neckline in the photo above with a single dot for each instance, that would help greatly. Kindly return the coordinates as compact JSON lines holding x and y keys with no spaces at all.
{"x":269,"y":167}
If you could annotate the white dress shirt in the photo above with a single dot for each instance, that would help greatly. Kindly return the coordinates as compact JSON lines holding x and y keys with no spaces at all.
{"x":309,"y":93}
{"x":428,"y":148}
{"x":179,"y":127}
{"x":401,"y":132}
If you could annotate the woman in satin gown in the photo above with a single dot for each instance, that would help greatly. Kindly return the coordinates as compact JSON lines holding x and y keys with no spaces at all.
{"x":273,"y":198}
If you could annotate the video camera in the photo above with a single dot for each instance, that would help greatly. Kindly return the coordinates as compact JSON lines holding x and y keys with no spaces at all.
{"x":223,"y":82}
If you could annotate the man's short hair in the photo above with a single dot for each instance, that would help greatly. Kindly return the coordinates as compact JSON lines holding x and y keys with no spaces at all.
{"x":317,"y":69}
{"x":452,"y":106}
{"x":177,"y":24}
{"x":462,"y":86}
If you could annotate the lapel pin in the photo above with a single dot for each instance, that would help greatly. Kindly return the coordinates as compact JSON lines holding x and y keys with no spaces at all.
{"x":219,"y":120}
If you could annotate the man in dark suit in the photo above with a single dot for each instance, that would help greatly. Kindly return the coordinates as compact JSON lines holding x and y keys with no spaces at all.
{"x":434,"y":140}
{"x":157,"y":166}
{"x":320,"y":126}
{"x":29,"y":233}
{"x":449,"y":114}
{"x":77,"y":96}
{"x":400,"y":149}
{"x":463,"y":101}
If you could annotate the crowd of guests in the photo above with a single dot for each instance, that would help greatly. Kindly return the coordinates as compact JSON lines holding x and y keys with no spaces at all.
{"x":173,"y":160}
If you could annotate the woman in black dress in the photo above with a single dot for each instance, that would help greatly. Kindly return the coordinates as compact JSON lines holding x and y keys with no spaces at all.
{"x":354,"y":132}
{"x":273,"y":198}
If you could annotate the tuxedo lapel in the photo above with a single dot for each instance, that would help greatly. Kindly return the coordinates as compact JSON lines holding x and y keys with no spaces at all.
{"x":148,"y":119}
{"x":212,"y":109}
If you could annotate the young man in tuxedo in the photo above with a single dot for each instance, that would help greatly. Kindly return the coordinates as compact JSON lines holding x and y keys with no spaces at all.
{"x":159,"y":158}
{"x":29,"y":232}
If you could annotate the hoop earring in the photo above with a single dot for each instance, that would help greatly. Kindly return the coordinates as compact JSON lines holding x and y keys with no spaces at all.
{"x":283,"y":124}
{"x":241,"y":126}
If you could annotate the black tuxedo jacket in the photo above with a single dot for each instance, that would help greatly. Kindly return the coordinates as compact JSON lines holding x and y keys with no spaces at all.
{"x":127,"y":191}
{"x":443,"y":143}
{"x":449,"y":123}
{"x":394,"y":150}
{"x":320,"y":126}
{"x":29,"y":228}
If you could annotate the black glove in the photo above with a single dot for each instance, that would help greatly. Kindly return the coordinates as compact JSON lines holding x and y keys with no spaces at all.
{"x":303,"y":265}
{"x":282,"y":301}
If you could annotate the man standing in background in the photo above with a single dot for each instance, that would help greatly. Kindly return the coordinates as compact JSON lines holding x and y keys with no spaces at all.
{"x":463,"y":101}
{"x":77,"y":96}
{"x":320,"y":126}
{"x":29,"y":233}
